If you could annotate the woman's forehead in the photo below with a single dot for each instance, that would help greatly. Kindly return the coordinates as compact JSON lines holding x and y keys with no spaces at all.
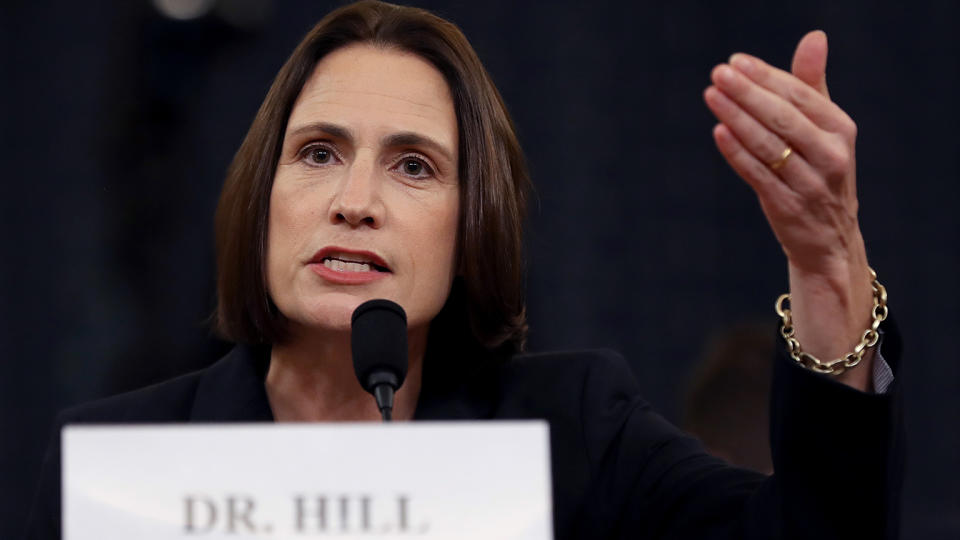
{"x":375,"y":89}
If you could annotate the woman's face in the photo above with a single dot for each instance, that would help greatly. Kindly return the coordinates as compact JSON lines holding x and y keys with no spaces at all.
{"x":365,"y":200}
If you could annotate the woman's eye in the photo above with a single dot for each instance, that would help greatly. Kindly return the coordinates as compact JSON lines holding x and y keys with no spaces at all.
{"x":317,"y":155}
{"x":415,"y":168}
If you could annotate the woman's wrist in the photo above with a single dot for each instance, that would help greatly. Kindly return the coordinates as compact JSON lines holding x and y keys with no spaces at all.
{"x":830,"y":312}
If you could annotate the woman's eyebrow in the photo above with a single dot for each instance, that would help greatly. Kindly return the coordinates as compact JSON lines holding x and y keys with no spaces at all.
{"x":333,"y":130}
{"x":409,"y":138}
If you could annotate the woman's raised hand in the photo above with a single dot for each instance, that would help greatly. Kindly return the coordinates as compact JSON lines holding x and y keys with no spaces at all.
{"x":784,"y":136}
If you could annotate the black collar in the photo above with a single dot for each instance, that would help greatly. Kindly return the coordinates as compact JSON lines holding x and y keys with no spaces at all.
{"x":232,"y":389}
{"x":460,"y":386}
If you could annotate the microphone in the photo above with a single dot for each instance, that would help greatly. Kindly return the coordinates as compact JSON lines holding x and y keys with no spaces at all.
{"x":378,"y":338}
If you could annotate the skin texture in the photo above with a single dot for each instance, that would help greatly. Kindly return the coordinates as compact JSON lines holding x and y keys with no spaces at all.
{"x":811,"y":201}
{"x":355,"y":188}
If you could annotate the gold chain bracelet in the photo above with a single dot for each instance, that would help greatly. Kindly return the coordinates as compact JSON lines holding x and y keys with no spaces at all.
{"x":851,"y":359}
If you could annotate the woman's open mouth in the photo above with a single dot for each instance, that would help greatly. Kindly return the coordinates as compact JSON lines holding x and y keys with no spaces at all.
{"x":345,"y":264}
{"x":348,"y":267}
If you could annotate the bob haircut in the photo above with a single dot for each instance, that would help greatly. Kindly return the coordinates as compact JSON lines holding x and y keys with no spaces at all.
{"x":486,"y":301}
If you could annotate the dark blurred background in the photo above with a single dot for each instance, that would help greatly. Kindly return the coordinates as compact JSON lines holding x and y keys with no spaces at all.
{"x":119,"y":121}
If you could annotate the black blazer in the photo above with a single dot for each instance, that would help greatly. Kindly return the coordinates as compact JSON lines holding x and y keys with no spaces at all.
{"x":619,"y":469}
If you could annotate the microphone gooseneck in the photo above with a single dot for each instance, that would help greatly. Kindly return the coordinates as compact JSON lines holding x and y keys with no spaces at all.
{"x":378,"y":339}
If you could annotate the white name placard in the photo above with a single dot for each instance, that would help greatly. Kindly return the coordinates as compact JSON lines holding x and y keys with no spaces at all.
{"x":395,"y":481}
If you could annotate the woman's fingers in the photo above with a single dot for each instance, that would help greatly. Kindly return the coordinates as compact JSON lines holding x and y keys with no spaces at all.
{"x":810,"y":100}
{"x":825,"y":151}
{"x":775,"y":196}
{"x":775,"y":113}
{"x":766,"y":146}
{"x":810,"y":61}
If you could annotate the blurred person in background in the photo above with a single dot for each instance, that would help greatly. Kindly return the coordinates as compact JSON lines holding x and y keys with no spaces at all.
{"x":727,"y":400}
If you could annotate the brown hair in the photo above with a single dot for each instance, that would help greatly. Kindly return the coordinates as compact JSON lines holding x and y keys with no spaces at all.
{"x":492,"y":175}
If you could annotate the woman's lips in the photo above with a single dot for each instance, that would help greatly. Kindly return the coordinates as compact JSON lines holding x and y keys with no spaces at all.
{"x":346,"y":277}
{"x":348,"y":267}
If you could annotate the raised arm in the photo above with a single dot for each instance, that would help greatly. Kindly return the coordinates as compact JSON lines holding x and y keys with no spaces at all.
{"x":783,"y":135}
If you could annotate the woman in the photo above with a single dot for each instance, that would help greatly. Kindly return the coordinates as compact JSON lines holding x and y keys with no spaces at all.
{"x":383,"y":164}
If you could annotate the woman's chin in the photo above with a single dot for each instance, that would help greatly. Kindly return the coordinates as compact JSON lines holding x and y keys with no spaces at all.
{"x":333,"y":313}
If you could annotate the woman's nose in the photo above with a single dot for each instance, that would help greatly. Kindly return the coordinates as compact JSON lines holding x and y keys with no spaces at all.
{"x":357,"y":200}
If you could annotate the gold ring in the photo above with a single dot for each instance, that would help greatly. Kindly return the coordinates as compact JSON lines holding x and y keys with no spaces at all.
{"x":776,"y":165}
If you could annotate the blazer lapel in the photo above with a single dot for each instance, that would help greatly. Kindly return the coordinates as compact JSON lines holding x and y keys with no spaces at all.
{"x":459,"y":386}
{"x":232,"y":389}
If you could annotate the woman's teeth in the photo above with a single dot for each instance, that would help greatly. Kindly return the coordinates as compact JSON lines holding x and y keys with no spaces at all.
{"x":343,"y":266}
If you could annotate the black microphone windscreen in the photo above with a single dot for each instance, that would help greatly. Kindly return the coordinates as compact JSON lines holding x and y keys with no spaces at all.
{"x":378,"y":338}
